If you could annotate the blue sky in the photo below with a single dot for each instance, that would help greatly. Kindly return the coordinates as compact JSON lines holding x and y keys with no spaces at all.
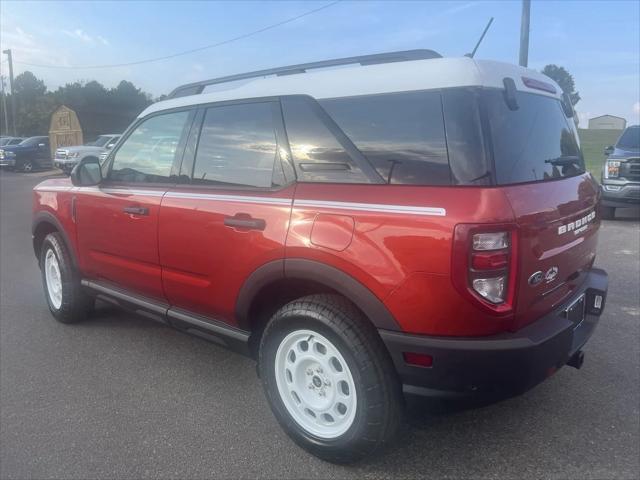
{"x":597,"y":41}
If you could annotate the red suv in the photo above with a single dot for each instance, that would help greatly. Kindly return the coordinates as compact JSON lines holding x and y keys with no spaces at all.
{"x":409,"y":224}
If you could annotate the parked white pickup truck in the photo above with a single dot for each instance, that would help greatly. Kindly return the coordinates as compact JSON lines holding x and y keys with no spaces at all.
{"x":67,"y":157}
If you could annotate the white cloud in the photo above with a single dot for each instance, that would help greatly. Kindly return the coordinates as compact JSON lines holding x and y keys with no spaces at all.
{"x":636,"y":108}
{"x":78,"y":34}
{"x":84,"y":37}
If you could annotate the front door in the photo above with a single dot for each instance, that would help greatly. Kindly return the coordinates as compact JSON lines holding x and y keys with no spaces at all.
{"x":232,"y":215}
{"x":118,"y":221}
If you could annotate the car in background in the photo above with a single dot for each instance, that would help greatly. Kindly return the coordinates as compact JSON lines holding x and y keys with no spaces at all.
{"x":10,"y":141}
{"x":621,"y":173}
{"x":30,"y":154}
{"x":67,"y":157}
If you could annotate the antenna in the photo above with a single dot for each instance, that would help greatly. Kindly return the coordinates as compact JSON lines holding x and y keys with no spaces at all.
{"x":470,"y":55}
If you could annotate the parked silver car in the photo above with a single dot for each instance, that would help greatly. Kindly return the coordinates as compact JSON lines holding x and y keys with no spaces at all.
{"x":67,"y":157}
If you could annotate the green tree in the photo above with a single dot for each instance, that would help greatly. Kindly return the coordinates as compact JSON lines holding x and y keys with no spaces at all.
{"x":563,"y":78}
{"x":33,"y":106}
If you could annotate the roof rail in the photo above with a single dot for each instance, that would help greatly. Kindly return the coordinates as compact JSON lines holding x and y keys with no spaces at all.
{"x":377,"y":58}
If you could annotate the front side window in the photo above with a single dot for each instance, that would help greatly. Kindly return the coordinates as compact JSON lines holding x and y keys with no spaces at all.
{"x":318,"y":156}
{"x":148,"y":154}
{"x":532,"y":143}
{"x":401,"y":134}
{"x":237,"y":146}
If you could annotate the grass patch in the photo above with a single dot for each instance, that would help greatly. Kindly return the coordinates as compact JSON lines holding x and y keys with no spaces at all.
{"x":593,"y":143}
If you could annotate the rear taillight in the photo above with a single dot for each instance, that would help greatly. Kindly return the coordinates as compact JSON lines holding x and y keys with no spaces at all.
{"x":484,"y":265}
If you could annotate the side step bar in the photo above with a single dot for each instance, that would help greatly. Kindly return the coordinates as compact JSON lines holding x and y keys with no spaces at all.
{"x":208,"y":328}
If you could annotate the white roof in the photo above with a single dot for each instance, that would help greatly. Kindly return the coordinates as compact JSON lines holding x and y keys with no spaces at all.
{"x":371,"y":79}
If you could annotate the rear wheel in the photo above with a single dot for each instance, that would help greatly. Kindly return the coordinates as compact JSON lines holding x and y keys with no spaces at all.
{"x":26,"y":166}
{"x":67,"y":302}
{"x":328,"y":378}
{"x":608,"y":213}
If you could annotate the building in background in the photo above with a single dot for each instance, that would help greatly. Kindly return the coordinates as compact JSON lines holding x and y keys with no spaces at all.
{"x":607,"y":122}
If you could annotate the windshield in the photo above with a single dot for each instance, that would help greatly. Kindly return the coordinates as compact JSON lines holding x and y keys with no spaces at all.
{"x":29,"y":142}
{"x":630,"y":139}
{"x":536,"y":142}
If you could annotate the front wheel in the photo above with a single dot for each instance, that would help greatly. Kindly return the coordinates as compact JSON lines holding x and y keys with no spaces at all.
{"x":67,"y":302}
{"x":329,"y":379}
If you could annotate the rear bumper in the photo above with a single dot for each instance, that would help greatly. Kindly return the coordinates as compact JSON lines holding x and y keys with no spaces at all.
{"x":508,"y":363}
{"x":627,"y":195}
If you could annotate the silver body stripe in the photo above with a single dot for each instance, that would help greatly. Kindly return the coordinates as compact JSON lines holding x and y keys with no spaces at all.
{"x":229,"y":198}
{"x":363,"y":207}
{"x":373,"y":207}
{"x":127,"y":191}
{"x":52,"y":189}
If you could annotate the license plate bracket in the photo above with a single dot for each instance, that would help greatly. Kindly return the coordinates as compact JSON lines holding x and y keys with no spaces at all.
{"x":576,"y":311}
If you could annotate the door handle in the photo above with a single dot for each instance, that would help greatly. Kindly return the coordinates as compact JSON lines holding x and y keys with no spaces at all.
{"x":245,"y":223}
{"x":136,"y":210}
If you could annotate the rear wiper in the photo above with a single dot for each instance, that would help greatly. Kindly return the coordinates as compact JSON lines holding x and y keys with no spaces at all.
{"x":564,"y":161}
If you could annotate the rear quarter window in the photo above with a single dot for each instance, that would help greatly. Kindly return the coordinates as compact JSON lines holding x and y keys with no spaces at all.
{"x":401,"y":134}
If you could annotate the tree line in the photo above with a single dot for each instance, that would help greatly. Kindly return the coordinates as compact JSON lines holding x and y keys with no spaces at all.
{"x":99,"y":109}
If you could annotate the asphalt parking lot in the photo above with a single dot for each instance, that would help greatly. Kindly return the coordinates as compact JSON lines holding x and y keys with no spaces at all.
{"x":119,"y":396}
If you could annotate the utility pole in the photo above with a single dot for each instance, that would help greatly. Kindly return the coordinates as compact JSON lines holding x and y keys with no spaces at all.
{"x":13,"y":93}
{"x":524,"y":33}
{"x":4,"y":108}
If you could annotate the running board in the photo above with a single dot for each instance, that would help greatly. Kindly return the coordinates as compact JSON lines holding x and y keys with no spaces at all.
{"x":208,"y":328}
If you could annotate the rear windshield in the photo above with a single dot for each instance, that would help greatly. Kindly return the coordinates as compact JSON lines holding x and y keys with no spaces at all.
{"x":630,"y":139}
{"x":535,"y":142}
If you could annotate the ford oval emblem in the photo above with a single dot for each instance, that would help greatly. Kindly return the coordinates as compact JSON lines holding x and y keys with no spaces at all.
{"x":536,"y":278}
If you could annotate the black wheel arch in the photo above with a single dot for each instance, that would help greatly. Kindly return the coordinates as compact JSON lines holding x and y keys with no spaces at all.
{"x":45,"y":223}
{"x":320,"y":274}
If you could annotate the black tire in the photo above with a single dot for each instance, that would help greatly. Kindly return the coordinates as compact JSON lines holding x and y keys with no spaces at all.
{"x":380,"y":404}
{"x":75,"y":303}
{"x":608,"y":213}
{"x":26,"y":166}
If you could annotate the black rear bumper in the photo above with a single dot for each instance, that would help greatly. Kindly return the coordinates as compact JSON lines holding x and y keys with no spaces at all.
{"x":508,"y":363}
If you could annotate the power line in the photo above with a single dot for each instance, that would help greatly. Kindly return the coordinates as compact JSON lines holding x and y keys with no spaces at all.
{"x":187,"y":52}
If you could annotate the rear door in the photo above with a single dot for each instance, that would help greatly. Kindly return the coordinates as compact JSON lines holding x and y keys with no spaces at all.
{"x":538,"y":160}
{"x":118,"y":221}
{"x":231,"y":213}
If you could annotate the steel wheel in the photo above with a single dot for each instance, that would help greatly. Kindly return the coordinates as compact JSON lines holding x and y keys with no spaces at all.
{"x":27,"y":167}
{"x":53,"y":279}
{"x":315,"y":384}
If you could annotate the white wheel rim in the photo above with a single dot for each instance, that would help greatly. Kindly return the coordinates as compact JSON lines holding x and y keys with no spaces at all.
{"x":315,"y":384}
{"x":53,"y":278}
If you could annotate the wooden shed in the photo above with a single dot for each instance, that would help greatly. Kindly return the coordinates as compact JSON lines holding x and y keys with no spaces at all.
{"x":64,"y":129}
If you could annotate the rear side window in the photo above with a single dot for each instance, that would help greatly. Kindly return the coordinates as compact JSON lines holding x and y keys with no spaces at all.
{"x":148,"y":153}
{"x":318,"y":154}
{"x":401,"y":134}
{"x":532,"y":143}
{"x":237,"y":146}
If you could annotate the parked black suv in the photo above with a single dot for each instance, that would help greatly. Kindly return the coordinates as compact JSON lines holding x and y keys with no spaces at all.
{"x":30,"y":154}
{"x":621,"y":173}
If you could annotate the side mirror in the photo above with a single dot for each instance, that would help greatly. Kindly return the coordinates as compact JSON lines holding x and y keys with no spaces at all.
{"x":110,"y":146}
{"x":86,"y":173}
{"x":41,"y":145}
{"x":609,"y":150}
